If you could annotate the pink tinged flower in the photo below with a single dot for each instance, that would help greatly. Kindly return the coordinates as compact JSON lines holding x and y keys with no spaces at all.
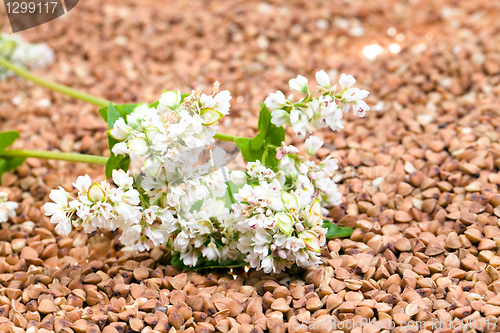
{"x":279,"y":154}
{"x":313,"y":143}
{"x":346,"y":81}
{"x":96,"y":193}
{"x":282,"y":254}
{"x":311,"y":241}
{"x":314,"y":213}
{"x":323,"y":79}
{"x":285,"y":222}
{"x":299,"y":84}
{"x":294,"y":244}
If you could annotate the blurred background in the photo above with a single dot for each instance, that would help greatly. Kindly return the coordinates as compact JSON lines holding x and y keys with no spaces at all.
{"x":422,"y":56}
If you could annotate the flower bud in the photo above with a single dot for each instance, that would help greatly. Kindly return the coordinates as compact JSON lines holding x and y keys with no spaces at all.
{"x":282,"y":254}
{"x":289,"y":200}
{"x":120,"y":130}
{"x":311,"y":241}
{"x":169,"y":100}
{"x":314,"y":213}
{"x":210,"y":116}
{"x":323,"y":79}
{"x":138,"y":146}
{"x":239,"y":177}
{"x":96,"y":193}
{"x":313,"y":143}
{"x":285,"y":222}
{"x":299,"y":84}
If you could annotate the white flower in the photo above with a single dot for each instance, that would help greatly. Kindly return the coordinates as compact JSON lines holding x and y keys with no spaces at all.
{"x":120,"y":130}
{"x":58,"y":210}
{"x":277,"y":101}
{"x":313,"y":143}
{"x":120,"y":148}
{"x":131,"y":235}
{"x":211,"y":252}
{"x":83,"y":184}
{"x":299,"y":122}
{"x":170,"y":100}
{"x":135,"y":119}
{"x":329,"y":164}
{"x":354,"y":94}
{"x":122,"y":179}
{"x":280,"y":117}
{"x":346,"y":81}
{"x":7,"y":208}
{"x":360,"y":108}
{"x":299,"y":84}
{"x":323,"y":79}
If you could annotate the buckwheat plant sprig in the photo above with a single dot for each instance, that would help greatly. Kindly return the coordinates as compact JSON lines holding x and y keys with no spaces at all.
{"x":24,"y":54}
{"x":270,"y":216}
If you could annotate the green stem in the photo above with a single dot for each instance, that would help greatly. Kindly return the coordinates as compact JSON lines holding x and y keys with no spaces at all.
{"x":75,"y":93}
{"x":92,"y":159}
{"x":226,"y":137}
{"x":53,"y":85}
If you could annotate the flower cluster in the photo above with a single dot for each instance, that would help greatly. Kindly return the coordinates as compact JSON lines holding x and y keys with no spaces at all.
{"x":24,"y":54}
{"x":273,"y":220}
{"x":317,"y":112}
{"x":7,"y":208}
{"x":280,"y":216}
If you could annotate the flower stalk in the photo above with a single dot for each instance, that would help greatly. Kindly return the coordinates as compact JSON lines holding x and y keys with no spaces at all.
{"x":53,"y":85}
{"x":49,"y":155}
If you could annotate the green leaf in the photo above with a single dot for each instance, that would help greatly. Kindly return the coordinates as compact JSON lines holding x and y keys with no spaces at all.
{"x":205,"y":264}
{"x":248,"y":154}
{"x":113,"y":115}
{"x":264,"y":125}
{"x":114,"y":161}
{"x":123,"y":110}
{"x":8,"y":163}
{"x":275,"y":136}
{"x":258,"y":141}
{"x":264,"y":119}
{"x":334,"y":231}
{"x":7,"y":139}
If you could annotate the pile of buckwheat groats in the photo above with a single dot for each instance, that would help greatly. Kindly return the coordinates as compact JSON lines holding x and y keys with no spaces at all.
{"x":419,"y":173}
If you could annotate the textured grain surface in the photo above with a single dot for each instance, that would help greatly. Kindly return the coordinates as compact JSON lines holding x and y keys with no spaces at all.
{"x":420,"y":172}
